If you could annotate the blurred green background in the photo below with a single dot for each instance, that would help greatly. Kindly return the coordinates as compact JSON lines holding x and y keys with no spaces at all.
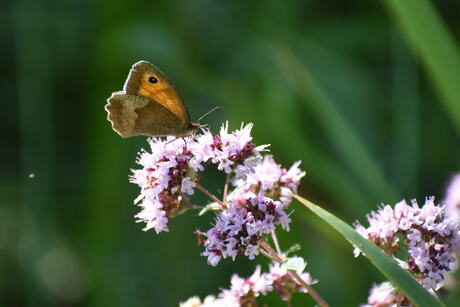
{"x":365,"y":93}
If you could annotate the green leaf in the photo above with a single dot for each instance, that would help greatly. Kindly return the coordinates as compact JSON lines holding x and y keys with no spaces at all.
{"x":294,"y":248}
{"x":294,"y":263}
{"x":430,"y":40}
{"x":388,"y":266}
{"x":209,"y":207}
{"x":334,"y":124}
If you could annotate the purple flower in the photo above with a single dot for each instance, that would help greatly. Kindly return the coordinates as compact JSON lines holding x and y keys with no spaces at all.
{"x":244,"y":291}
{"x":169,"y":171}
{"x":239,"y":228}
{"x":269,"y":179}
{"x":385,"y":294}
{"x":231,"y":152}
{"x":432,"y":239}
{"x":165,"y":176}
{"x":209,"y":301}
{"x":452,"y":197}
{"x":283,"y":283}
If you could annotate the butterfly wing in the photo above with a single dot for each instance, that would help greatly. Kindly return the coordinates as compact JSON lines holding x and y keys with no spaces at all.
{"x":144,"y":79}
{"x":133,"y":115}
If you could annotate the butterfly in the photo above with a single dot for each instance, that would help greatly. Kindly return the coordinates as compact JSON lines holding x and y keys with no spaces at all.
{"x":148,"y":105}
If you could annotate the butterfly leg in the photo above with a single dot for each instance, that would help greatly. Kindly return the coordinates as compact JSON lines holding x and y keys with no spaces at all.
{"x":171,"y":141}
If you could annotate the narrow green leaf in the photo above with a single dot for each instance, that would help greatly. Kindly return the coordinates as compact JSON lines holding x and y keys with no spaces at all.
{"x":388,"y":266}
{"x":292,"y":249}
{"x":405,"y":100}
{"x":209,"y":207}
{"x":335,"y":125}
{"x":430,"y":39}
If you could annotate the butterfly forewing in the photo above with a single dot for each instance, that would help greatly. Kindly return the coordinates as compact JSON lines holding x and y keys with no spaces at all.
{"x":146,"y":80}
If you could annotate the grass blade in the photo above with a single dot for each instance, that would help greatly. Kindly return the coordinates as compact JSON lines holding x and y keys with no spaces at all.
{"x":392,"y":271}
{"x":429,"y":38}
{"x":336,"y":126}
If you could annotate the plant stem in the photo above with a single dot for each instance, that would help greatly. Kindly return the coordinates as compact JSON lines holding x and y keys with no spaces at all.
{"x":400,"y":299}
{"x":309,"y":288}
{"x":202,"y":189}
{"x":202,"y":207}
{"x":271,"y":251}
{"x":265,"y":253}
{"x":188,"y":205}
{"x":275,"y":241}
{"x":227,"y":180}
{"x":295,"y":275}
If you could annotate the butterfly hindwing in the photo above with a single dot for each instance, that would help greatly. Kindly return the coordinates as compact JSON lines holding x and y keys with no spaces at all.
{"x":132,"y":115}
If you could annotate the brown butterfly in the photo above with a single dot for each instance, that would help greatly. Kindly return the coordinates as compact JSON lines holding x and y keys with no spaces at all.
{"x":148,"y":105}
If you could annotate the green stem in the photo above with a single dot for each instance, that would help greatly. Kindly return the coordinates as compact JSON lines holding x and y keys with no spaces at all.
{"x":210,"y":195}
{"x":295,"y":276}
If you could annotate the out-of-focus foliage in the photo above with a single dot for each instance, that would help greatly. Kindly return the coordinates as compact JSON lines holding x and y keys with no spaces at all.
{"x":363,"y":92}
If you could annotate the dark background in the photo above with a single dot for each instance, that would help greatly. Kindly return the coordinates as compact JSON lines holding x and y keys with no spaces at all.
{"x":337,"y":84}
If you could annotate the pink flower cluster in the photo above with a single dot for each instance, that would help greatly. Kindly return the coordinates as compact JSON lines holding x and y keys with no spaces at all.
{"x":244,"y":291}
{"x":431,"y":237}
{"x":239,"y":228}
{"x":271,"y":180}
{"x":231,"y":152}
{"x":385,"y":294}
{"x":256,"y":207}
{"x":169,"y":170}
{"x":166,"y":175}
{"x":452,"y":197}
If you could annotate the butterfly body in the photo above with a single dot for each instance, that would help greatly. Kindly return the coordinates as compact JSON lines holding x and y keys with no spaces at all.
{"x":148,"y":105}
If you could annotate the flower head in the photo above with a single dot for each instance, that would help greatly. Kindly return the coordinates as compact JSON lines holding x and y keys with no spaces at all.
{"x":283,"y":283}
{"x":209,"y":301}
{"x":385,"y":294}
{"x":231,"y":152}
{"x":432,"y":238}
{"x":165,"y":176}
{"x":271,"y":180}
{"x":169,"y":170}
{"x":239,"y":228}
{"x":245,"y":290}
{"x":452,"y":197}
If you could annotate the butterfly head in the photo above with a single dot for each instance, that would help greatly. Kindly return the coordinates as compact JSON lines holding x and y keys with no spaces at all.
{"x":197,"y":125}
{"x":191,"y":130}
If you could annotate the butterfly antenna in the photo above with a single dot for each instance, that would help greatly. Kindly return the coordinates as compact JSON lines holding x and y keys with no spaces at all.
{"x":205,"y":114}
